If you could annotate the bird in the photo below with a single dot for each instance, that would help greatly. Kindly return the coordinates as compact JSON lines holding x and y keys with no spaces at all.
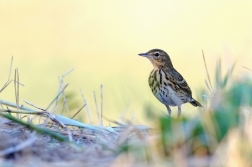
{"x":166,"y":83}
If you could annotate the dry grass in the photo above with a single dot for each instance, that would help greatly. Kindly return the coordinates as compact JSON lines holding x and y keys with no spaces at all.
{"x":21,"y":146}
{"x":87,"y":148}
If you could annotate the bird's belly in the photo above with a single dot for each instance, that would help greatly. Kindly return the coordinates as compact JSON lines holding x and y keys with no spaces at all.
{"x":168,"y":96}
{"x":161,"y":89}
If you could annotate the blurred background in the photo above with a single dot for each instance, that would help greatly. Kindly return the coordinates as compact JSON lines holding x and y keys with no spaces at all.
{"x":101,"y":41}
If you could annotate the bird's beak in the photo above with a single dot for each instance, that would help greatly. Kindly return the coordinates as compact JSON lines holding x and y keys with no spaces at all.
{"x":143,"y":54}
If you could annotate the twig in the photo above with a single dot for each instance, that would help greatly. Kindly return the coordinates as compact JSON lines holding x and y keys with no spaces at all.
{"x":61,"y":79}
{"x":71,"y":122}
{"x":8,"y":80}
{"x":78,"y":111}
{"x":33,"y":105}
{"x":11,"y":104}
{"x":86,"y":106}
{"x":115,"y":122}
{"x":96,"y":106}
{"x":47,"y":114}
{"x":16,"y":87}
{"x":20,"y":111}
{"x":63,"y":93}
{"x":207,"y":85}
{"x":247,"y":68}
{"x":207,"y":71}
{"x":57,"y":96}
{"x":101,"y":121}
{"x":10,"y":68}
{"x":66,"y":73}
{"x":65,"y":103}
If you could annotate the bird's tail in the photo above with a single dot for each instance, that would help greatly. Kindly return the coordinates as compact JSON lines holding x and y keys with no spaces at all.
{"x":195,"y":103}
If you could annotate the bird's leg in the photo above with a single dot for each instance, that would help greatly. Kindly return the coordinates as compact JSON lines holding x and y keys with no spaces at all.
{"x":169,"y":110}
{"x":179,"y":111}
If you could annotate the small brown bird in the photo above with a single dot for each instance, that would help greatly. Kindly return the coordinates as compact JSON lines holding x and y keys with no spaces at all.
{"x":166,"y":83}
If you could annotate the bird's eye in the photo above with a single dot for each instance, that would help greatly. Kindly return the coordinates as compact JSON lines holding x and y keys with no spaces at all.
{"x":156,"y":54}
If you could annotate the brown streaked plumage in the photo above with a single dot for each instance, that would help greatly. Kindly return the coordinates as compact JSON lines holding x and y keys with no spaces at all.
{"x":166,"y":83}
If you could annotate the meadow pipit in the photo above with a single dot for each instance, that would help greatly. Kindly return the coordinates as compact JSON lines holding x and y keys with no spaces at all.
{"x":166,"y":83}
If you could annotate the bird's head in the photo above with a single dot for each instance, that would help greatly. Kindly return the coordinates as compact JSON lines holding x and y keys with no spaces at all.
{"x":158,"y":58}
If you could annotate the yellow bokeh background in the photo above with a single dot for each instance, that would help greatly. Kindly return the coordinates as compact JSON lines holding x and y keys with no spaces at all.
{"x":101,"y":40}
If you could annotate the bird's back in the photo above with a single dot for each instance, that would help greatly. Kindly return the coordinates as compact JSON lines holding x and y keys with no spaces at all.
{"x":178,"y":83}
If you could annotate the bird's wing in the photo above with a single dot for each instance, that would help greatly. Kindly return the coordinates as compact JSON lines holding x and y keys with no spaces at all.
{"x":178,"y":82}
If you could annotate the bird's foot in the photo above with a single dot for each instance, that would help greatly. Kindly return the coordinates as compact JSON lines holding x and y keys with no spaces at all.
{"x":179,"y":111}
